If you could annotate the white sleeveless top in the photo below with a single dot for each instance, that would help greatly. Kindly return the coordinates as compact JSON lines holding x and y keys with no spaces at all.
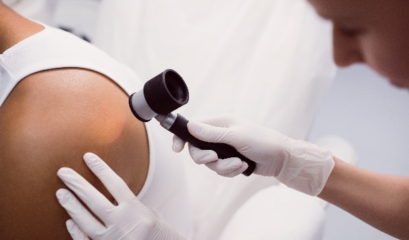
{"x":165,"y":190}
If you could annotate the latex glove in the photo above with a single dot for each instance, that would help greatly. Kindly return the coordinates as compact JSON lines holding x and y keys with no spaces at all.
{"x":296,"y":163}
{"x":130,"y":219}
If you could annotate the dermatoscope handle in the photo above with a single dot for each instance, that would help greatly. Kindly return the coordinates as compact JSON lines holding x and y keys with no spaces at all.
{"x":179,"y":128}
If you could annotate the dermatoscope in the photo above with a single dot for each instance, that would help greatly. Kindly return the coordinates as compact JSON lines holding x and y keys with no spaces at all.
{"x":165,"y":93}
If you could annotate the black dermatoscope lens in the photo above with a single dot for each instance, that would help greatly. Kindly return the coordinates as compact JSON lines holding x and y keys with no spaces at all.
{"x":165,"y":93}
{"x":176,"y":87}
{"x":161,"y":95}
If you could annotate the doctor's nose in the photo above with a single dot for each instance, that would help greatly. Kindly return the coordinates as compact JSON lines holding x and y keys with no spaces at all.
{"x":346,"y":48}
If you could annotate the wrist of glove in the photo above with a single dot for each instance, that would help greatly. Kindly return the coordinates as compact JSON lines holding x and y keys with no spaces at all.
{"x":129,"y":219}
{"x":296,"y":163}
{"x":307,"y":168}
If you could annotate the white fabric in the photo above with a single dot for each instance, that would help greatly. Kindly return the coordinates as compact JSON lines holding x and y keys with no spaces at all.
{"x":164,"y":191}
{"x":305,"y":216}
{"x":40,"y":10}
{"x":268,"y":61}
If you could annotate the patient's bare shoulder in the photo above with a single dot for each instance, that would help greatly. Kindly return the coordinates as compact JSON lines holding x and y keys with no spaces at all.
{"x":50,"y":120}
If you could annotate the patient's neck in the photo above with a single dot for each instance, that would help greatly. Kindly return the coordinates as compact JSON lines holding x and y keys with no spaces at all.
{"x":14,"y":28}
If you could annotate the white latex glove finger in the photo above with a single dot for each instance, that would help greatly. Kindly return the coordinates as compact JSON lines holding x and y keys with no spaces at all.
{"x":129,"y":220}
{"x":237,"y":171}
{"x":202,"y":156}
{"x":114,"y":184}
{"x":210,"y":133}
{"x":75,"y":231}
{"x":78,"y":212}
{"x":225,"y":166}
{"x":177,"y":144}
{"x":222,"y":121}
{"x":97,"y":202}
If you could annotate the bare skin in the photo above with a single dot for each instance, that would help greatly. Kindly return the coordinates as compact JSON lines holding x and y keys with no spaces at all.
{"x":49,"y":121}
{"x":20,"y":28}
{"x":374,"y":32}
{"x":380,"y":200}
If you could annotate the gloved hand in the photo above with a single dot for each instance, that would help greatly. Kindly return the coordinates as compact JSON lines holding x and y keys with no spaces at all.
{"x":296,"y":163}
{"x":130,"y":219}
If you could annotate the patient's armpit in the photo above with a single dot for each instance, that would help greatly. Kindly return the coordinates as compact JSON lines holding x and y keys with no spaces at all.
{"x":50,"y":120}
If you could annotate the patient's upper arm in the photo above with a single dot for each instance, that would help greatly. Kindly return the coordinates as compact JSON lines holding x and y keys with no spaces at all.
{"x":49,"y":121}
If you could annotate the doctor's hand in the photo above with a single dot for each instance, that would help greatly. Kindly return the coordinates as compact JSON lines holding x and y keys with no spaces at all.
{"x":129,"y":219}
{"x":296,"y":163}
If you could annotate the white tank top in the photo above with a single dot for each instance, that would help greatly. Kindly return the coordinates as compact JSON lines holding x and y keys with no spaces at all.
{"x":165,"y":190}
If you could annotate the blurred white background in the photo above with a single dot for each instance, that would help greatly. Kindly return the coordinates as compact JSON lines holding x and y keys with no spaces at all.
{"x":360,"y":106}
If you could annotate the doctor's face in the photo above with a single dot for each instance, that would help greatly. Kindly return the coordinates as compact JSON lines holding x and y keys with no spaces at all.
{"x":375,"y":32}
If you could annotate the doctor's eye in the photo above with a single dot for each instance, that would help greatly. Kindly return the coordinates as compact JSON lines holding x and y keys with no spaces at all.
{"x":350,"y":32}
